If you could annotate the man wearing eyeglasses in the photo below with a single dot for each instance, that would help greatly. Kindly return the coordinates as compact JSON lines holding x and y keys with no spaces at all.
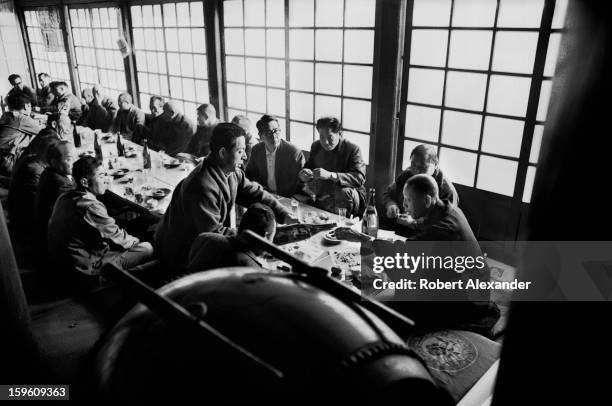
{"x":423,"y":160}
{"x":20,"y":88}
{"x":275,"y":163}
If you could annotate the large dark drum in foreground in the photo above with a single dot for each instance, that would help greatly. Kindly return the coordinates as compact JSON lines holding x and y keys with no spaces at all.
{"x":327,"y":350}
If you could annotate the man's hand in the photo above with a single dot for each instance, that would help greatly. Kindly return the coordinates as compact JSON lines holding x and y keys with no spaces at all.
{"x":406,"y":220}
{"x":322,"y":174}
{"x":305,"y":175}
{"x":291,"y":219}
{"x":393,"y":211}
{"x":348,"y":234}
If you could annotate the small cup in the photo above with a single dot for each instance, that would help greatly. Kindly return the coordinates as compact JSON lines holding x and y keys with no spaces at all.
{"x":341,"y":216}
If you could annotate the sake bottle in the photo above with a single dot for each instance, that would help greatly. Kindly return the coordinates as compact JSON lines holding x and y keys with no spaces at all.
{"x":98,"y":148}
{"x":146,"y":156}
{"x":75,"y":134}
{"x":369,"y":222}
{"x":120,"y":147}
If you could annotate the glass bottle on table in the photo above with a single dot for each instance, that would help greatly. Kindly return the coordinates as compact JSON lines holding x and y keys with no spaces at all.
{"x":98,"y":148}
{"x":76,"y":136}
{"x":120,"y":147}
{"x":369,"y":223}
{"x":146,"y":156}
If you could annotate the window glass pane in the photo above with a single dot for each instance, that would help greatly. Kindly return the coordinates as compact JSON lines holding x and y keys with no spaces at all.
{"x":202,"y":91}
{"x":536,"y":144}
{"x":497,"y":175}
{"x":275,"y":11}
{"x":301,"y":13}
{"x":174,"y":64}
{"x":408,"y":147}
{"x":552,"y":54}
{"x":256,"y":71}
{"x":184,"y":40}
{"x":276,"y":73}
{"x":198,"y":40}
{"x":502,"y":136}
{"x":357,"y":81}
{"x":276,"y":43}
{"x":559,"y":14}
{"x":329,"y":13}
{"x":171,"y":39}
{"x":255,"y":42}
{"x":235,"y":96}
{"x":189,"y":89}
{"x":329,"y":45}
{"x":508,"y":95}
{"x":302,"y":135}
{"x":169,"y":14}
{"x":254,"y":13}
{"x":256,"y":99}
{"x":520,"y":13}
{"x":327,"y":106}
{"x":461,"y":129}
{"x":301,"y":76}
{"x":458,"y":165}
{"x":358,"y":46}
{"x":543,"y":103}
{"x":362,"y":141}
{"x":356,"y":115}
{"x":276,"y":102}
{"x":425,"y":86}
{"x":176,"y":88}
{"x":428,"y":47}
{"x":136,"y":16}
{"x":360,"y":13}
{"x":465,"y":90}
{"x":232,"y":13}
{"x":301,"y":105}
{"x":529,"y":179}
{"x":301,"y":44}
{"x":470,"y":49}
{"x":197,"y":14}
{"x":157,"y":16}
{"x":474,"y":13}
{"x":328,"y":78}
{"x":515,"y":52}
{"x":422,"y":123}
{"x":234,"y":41}
{"x":431,"y":13}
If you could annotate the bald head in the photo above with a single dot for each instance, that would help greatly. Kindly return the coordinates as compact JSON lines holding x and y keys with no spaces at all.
{"x":87,"y":94}
{"x":125,"y":101}
{"x":61,"y":156}
{"x":171,"y":108}
{"x":420,"y":195}
{"x":244,"y":122}
{"x":98,"y":91}
{"x":207,"y":115}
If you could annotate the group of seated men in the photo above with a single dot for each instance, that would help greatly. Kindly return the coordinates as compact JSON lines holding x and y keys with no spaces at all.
{"x":74,"y":227}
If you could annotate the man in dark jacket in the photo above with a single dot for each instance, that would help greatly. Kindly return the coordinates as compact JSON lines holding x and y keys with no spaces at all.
{"x":24,"y":183}
{"x":423,"y":160}
{"x":173,"y":131}
{"x":335,"y":170}
{"x":207,"y":120}
{"x":20,"y":88}
{"x":101,"y":110}
{"x":212,"y":250}
{"x":130,"y":120}
{"x":44,"y":94}
{"x":54,"y":180}
{"x":64,"y":101}
{"x":202,"y":202}
{"x":275,"y":163}
{"x":82,"y":236}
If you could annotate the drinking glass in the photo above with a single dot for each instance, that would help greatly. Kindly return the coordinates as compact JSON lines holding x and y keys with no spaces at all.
{"x":295,"y":205}
{"x":341,"y":216}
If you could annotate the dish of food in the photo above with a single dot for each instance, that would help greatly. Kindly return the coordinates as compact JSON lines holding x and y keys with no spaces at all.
{"x":160,"y":193}
{"x":346,"y":260}
{"x":330,"y":238}
{"x":108,"y":138}
{"x":130,"y":154}
{"x":118,"y":173}
{"x":171,"y":163}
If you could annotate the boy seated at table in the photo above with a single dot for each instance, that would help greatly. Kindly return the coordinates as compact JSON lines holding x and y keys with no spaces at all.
{"x":213,"y":250}
{"x":335,"y":170}
{"x":83,"y":237}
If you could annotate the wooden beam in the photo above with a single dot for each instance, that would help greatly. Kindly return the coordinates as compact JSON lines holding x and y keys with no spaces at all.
{"x":214,"y":55}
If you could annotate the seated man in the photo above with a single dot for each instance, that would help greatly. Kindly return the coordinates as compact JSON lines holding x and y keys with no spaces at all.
{"x":64,"y":101}
{"x":101,"y":110}
{"x":17,"y":129}
{"x":54,"y":180}
{"x":154,"y":122}
{"x":335,"y":170}
{"x":44,"y":94}
{"x":212,"y":250}
{"x":202,"y":202}
{"x":156,"y":108}
{"x":251,"y":140}
{"x":18,"y":88}
{"x":130,"y":120}
{"x":82,"y":236}
{"x":24,"y":183}
{"x":174,"y":135}
{"x":275,"y":163}
{"x":423,"y":160}
{"x":207,"y":120}
{"x":446,"y":226}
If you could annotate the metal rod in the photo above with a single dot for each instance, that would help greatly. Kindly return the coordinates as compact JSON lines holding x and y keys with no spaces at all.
{"x":320,"y":278}
{"x":166,"y":307}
